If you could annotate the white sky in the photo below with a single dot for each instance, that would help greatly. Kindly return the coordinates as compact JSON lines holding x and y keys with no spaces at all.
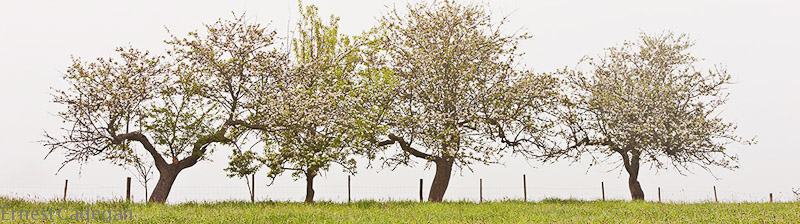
{"x":756,"y":40}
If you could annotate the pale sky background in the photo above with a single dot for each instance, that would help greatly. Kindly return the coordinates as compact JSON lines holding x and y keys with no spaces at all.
{"x":756,"y":40}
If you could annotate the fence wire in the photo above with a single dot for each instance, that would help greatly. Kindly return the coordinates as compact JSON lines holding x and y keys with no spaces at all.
{"x":410,"y":192}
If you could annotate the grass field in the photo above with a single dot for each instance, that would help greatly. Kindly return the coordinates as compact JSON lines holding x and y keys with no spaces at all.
{"x":547,"y":211}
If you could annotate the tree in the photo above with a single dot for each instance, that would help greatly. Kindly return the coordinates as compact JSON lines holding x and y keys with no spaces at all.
{"x":315,"y":115}
{"x":143,"y":172}
{"x":179,"y":107}
{"x":648,"y":103}
{"x":457,"y":97}
{"x":242,"y":165}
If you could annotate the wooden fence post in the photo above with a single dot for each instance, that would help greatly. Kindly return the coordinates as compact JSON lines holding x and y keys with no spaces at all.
{"x":603,"y":190}
{"x":524,"y":188}
{"x":253,"y":189}
{"x":659,"y":194}
{"x":770,"y":197}
{"x":66,"y":183}
{"x":481,"y":191}
{"x":715,"y":194}
{"x":420,"y":190}
{"x":128,"y":190}
{"x":348,"y":188}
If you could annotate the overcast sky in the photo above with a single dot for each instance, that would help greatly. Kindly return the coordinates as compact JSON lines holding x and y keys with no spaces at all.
{"x":756,"y":40}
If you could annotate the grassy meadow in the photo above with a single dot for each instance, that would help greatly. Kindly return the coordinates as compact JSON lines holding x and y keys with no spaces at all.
{"x":547,"y":211}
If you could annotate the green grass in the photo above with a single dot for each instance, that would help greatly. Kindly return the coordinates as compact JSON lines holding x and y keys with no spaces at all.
{"x":547,"y":211}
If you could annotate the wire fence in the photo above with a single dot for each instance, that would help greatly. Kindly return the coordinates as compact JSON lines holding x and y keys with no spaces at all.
{"x":490,"y":191}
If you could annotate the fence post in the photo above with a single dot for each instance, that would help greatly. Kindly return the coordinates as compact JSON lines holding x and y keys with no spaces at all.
{"x":524,"y":188}
{"x":66,"y":183}
{"x":481,"y":191}
{"x":715,"y":194}
{"x":659,"y":194}
{"x":348,"y":188}
{"x":253,"y":189}
{"x":420,"y":190}
{"x":603,"y":190}
{"x":128,"y":190}
{"x":770,"y":197}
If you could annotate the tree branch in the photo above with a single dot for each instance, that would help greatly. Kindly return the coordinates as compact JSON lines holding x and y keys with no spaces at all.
{"x":200,"y":147}
{"x":141,"y":138}
{"x":405,"y":146}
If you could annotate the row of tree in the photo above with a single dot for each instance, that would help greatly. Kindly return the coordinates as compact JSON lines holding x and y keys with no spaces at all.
{"x":437,"y":83}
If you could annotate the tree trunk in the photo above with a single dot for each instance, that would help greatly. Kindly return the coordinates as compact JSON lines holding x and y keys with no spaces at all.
{"x":310,"y":186}
{"x":444,"y":166}
{"x":632,"y":166}
{"x":166,"y":178}
{"x":635,"y":187}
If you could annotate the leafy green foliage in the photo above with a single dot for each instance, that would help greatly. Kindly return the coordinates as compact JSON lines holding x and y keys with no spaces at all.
{"x":244,"y":164}
{"x":313,"y":113}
